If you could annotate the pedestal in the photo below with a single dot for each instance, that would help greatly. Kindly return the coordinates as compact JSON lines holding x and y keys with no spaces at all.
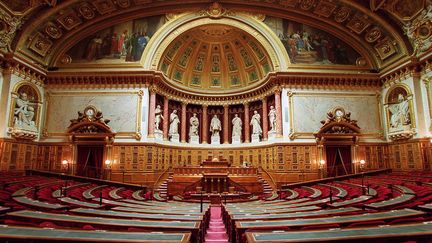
{"x":236,"y":140}
{"x":158,"y":134}
{"x":271,"y":135}
{"x":175,"y":138}
{"x":255,"y":138}
{"x":194,"y":140}
{"x":215,"y":139}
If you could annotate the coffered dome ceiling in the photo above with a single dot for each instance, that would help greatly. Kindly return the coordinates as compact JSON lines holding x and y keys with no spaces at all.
{"x":215,"y":57}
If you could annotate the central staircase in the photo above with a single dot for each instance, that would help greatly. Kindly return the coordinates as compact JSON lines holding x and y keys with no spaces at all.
{"x":161,"y":194}
{"x":216,"y":233}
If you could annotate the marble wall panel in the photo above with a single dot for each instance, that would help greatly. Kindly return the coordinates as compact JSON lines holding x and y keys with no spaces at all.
{"x":120,"y":108}
{"x":310,"y":109}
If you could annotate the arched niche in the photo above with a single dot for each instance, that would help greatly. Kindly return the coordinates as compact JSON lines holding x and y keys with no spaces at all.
{"x":399,"y":112}
{"x":25,"y":111}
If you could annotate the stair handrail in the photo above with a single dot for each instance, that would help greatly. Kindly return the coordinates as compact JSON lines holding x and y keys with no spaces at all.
{"x":164,"y":175}
{"x":272,"y":182}
{"x":192,"y":186}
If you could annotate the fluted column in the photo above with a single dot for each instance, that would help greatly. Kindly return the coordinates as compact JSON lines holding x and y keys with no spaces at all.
{"x":204,"y":126}
{"x":278,"y":108}
{"x":225,"y":124}
{"x":166,"y":118}
{"x":183,"y":123}
{"x":152,"y":107}
{"x":246,"y":122}
{"x":265,"y":119}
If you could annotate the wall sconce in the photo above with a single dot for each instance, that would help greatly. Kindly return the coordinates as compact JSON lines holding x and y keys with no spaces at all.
{"x":65,"y":162}
{"x":108,"y":163}
{"x":362,"y":163}
{"x":321,"y":164}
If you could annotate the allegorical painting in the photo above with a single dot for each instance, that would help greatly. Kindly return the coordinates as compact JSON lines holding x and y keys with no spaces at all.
{"x":308,"y":45}
{"x":120,"y":43}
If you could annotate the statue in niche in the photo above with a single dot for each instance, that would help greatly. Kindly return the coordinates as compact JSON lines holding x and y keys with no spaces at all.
{"x":256,"y":124}
{"x":194,"y":124}
{"x":24,"y":112}
{"x":399,"y":113}
{"x":237,"y":126}
{"x":272,"y":118}
{"x":158,"y":117}
{"x":215,"y":126}
{"x":174,"y":123}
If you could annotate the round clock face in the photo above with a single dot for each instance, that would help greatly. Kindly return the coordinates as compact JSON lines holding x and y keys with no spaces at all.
{"x":90,"y":112}
{"x":339,"y":113}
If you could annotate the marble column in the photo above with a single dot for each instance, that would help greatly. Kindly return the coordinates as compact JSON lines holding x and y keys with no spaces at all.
{"x":165,"y":123}
{"x":4,"y":98}
{"x":205,"y":125}
{"x":265,"y":119}
{"x":183,"y":123}
{"x":246,"y":122}
{"x":278,"y":107}
{"x":225,"y":124}
{"x":151,"y":119}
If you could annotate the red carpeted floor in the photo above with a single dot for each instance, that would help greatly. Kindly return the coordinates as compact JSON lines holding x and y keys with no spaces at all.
{"x":216,"y":233}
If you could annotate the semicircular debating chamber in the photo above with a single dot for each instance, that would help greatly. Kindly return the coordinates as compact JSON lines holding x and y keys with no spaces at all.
{"x":215,"y":121}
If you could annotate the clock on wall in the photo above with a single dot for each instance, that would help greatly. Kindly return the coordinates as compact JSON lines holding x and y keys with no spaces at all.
{"x":339,"y":112}
{"x":90,"y":111}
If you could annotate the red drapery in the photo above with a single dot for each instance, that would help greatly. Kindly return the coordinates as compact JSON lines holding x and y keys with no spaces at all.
{"x":89,"y":160}
{"x":338,"y":160}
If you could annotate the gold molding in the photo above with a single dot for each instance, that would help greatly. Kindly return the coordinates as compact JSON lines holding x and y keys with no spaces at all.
{"x":293,"y":134}
{"x":139,"y":93}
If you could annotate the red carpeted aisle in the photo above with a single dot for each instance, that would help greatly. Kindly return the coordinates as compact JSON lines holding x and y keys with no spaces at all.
{"x":216,"y":232}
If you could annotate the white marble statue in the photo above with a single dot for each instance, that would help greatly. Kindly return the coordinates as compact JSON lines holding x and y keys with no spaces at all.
{"x":399,"y":113}
{"x":237,"y":126}
{"x":158,"y":117}
{"x":194,"y":124}
{"x":272,"y":118}
{"x":174,"y":124}
{"x":215,"y":126}
{"x":24,"y":112}
{"x":256,"y":124}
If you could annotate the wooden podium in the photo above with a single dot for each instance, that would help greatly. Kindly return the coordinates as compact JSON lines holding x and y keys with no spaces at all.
{"x":220,"y":163}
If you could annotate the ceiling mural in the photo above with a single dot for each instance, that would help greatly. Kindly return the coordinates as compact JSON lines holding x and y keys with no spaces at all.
{"x":215,"y":57}
{"x":382,"y":31}
{"x":120,"y":43}
{"x":308,"y":45}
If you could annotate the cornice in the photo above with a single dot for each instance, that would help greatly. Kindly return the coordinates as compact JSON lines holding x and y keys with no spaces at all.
{"x":162,"y":86}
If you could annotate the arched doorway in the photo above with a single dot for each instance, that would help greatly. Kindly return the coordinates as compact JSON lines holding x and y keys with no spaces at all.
{"x":336,"y":138}
{"x":91,"y":138}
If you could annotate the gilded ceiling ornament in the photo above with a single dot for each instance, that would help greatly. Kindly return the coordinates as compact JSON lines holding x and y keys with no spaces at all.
{"x":86,"y":11}
{"x":8,"y":27}
{"x":104,"y":6}
{"x":215,"y":10}
{"x":69,"y":20}
{"x":342,"y":14}
{"x":288,"y":3}
{"x":373,"y":34}
{"x":40,"y":44}
{"x":307,"y":4}
{"x":66,"y":59}
{"x":53,"y":31}
{"x":123,"y":3}
{"x":419,"y":31}
{"x":325,"y":9}
{"x":385,"y":48}
{"x":358,"y":23}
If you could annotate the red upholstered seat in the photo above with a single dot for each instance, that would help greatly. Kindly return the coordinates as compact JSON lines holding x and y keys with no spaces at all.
{"x":88,"y":227}
{"x":407,"y":220}
{"x":48,"y":225}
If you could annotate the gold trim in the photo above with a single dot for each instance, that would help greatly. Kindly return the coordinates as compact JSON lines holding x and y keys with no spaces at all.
{"x":134,"y":134}
{"x":294,"y":134}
